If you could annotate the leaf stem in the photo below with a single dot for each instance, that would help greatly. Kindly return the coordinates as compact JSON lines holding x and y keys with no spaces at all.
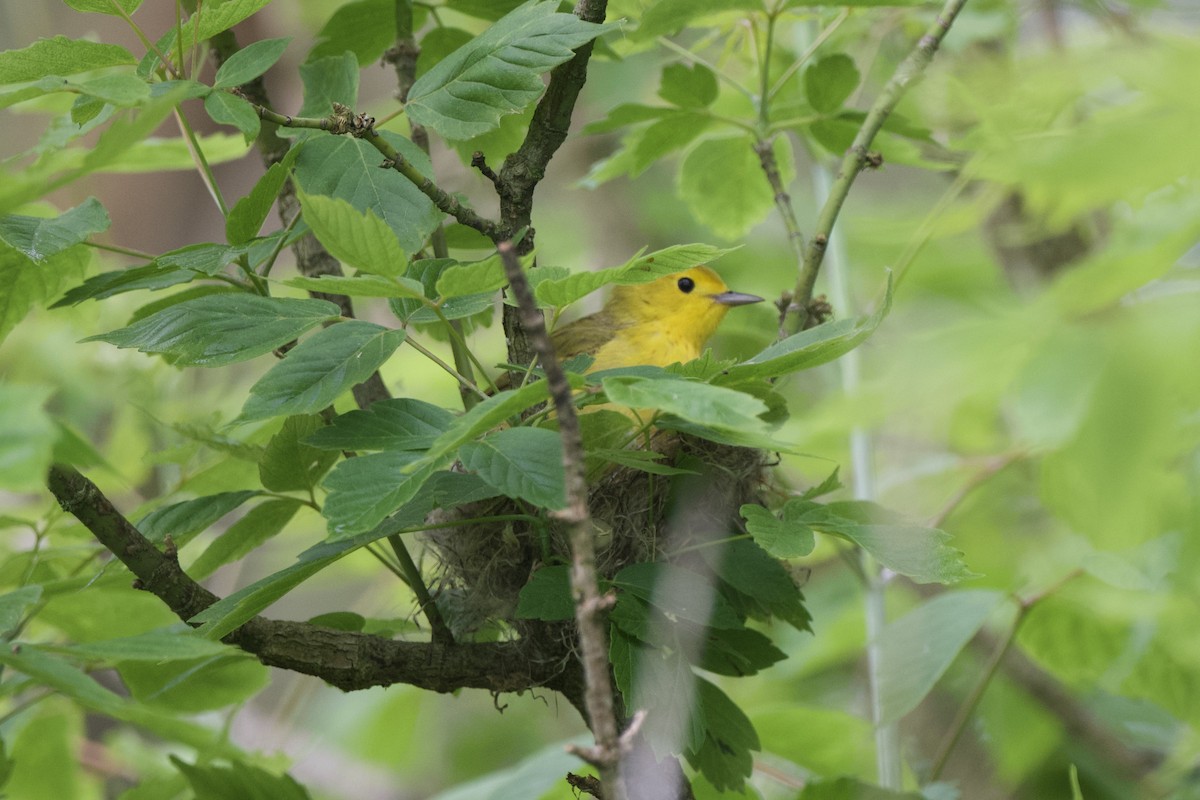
{"x":855,"y":159}
{"x":462,"y":380}
{"x":149,"y":45}
{"x":206,"y":173}
{"x":412,"y":576}
{"x":125,"y":251}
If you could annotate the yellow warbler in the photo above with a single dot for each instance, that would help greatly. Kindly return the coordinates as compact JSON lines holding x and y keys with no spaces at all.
{"x":655,"y":323}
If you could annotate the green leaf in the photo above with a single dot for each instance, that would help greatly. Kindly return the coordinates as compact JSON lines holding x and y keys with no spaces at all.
{"x":288,"y":464}
{"x":449,"y":489}
{"x":27,"y":284}
{"x":329,"y":80}
{"x":120,"y":90}
{"x":698,"y":403}
{"x":438,"y":44}
{"x":663,"y":684}
{"x":917,"y":649}
{"x":723,"y":184}
{"x":208,"y":258}
{"x":427,"y":272}
{"x":643,"y":268}
{"x":366,"y":28}
{"x":258,"y":525}
{"x":104,"y":6}
{"x":249,"y":62}
{"x":679,"y":592}
{"x":247,"y":216}
{"x":830,"y":82}
{"x":644,"y":460}
{"x":27,"y":437}
{"x":852,"y":788}
{"x":477,"y":277}
{"x":181,"y":521}
{"x":216,"y":782}
{"x":218,"y":330}
{"x":782,"y":537}
{"x":40,"y":238}
{"x":217,"y":17}
{"x":192,"y":687}
{"x":56,"y":673}
{"x":738,"y":652}
{"x":362,"y":241}
{"x":396,"y":424}
{"x":919,"y":552}
{"x":364,"y":491}
{"x":748,"y":569}
{"x":59,"y":56}
{"x":812,"y":347}
{"x":359,"y":286}
{"x":523,"y":463}
{"x":315,"y":372}
{"x":688,"y":86}
{"x":724,"y":757}
{"x":498,"y":72}
{"x":483,"y":417}
{"x":547,"y":595}
{"x":346,"y":168}
{"x":12,"y":608}
{"x":155,"y":646}
{"x":225,"y":108}
{"x":668,"y":17}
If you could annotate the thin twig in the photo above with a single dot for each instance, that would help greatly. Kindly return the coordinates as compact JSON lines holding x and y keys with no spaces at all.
{"x":590,"y":606}
{"x":412,"y":576}
{"x":856,"y":157}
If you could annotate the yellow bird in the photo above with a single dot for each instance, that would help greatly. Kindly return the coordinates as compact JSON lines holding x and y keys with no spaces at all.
{"x":655,"y":323}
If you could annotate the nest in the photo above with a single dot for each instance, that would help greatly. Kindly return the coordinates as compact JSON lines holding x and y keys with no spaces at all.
{"x":482,"y":567}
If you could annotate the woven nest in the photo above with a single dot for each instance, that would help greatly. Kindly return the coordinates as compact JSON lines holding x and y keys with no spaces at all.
{"x":482,"y":567}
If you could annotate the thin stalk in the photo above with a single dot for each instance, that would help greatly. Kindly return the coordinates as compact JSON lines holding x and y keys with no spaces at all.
{"x":887,"y":739}
{"x":269,"y":264}
{"x":125,"y":251}
{"x":206,"y":173}
{"x":412,"y":574}
{"x":145,"y":40}
{"x":462,"y":380}
{"x":764,"y":90}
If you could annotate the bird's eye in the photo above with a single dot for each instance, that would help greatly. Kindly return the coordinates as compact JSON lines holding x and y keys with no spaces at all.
{"x":686,"y":285}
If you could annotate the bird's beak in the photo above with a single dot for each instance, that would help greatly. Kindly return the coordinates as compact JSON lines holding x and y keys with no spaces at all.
{"x":736,"y":298}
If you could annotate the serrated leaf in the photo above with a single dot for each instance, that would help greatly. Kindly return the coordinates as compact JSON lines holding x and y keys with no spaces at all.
{"x":347,"y":169}
{"x":830,"y":81}
{"x":738,"y":652}
{"x":723,"y":184}
{"x":395,"y":424}
{"x":258,"y":525}
{"x":478,"y":277}
{"x":811,"y":348}
{"x":217,"y":330}
{"x":249,"y":62}
{"x":182,"y":521}
{"x":239,"y":779}
{"x":917,"y":649}
{"x":59,"y":56}
{"x":215,"y":18}
{"x":104,"y":6}
{"x":27,"y":437}
{"x":288,"y":464}
{"x":449,"y":489}
{"x":547,"y":595}
{"x":366,"y":28}
{"x":919,"y":552}
{"x":688,"y":86}
{"x":427,"y":272}
{"x":747,"y":568}
{"x":498,"y":72}
{"x":698,"y":403}
{"x":156,"y":646}
{"x":192,"y":687}
{"x":359,"y":286}
{"x":120,"y":90}
{"x":724,"y":757}
{"x":364,"y":491}
{"x":328,"y":80}
{"x":523,"y":463}
{"x":40,"y":238}
{"x":316,"y":371}
{"x":362,"y":241}
{"x":781,"y":537}
{"x":226,"y":108}
{"x":668,"y":17}
{"x":644,"y":460}
{"x":678,"y":592}
{"x":249,"y":213}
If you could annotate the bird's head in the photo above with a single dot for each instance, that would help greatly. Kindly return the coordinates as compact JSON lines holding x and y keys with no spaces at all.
{"x":691,"y":303}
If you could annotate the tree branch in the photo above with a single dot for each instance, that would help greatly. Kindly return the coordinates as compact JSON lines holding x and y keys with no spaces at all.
{"x":590,"y":606}
{"x":344,"y":659}
{"x":857,"y":157}
{"x":522,"y":170}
